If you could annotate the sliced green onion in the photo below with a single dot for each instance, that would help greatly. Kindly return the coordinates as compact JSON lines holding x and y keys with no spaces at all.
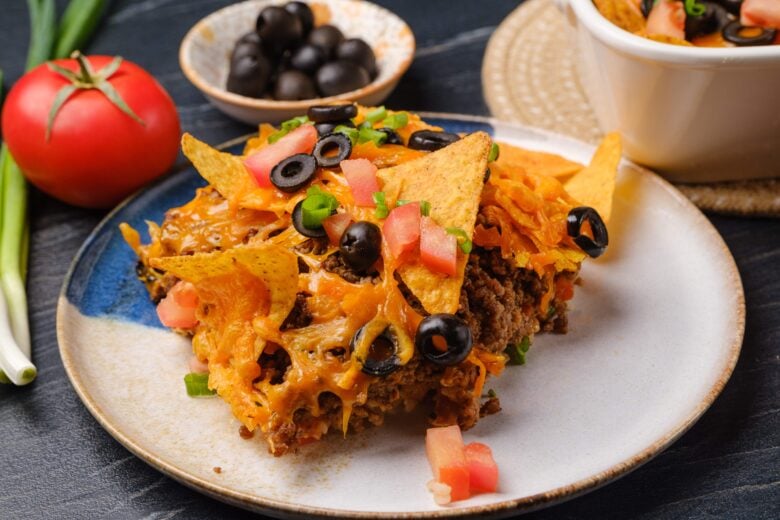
{"x":198,"y":385}
{"x":463,"y":239}
{"x":317,"y":206}
{"x":396,"y":121}
{"x":517,"y":351}
{"x":492,"y":393}
{"x":350,"y":132}
{"x":381,"y":205}
{"x":425,"y":206}
{"x":494,"y":152}
{"x":694,"y":8}
{"x":286,"y":127}
{"x":366,"y":135}
{"x":376,"y":115}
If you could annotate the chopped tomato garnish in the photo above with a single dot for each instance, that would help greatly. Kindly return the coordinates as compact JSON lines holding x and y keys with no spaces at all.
{"x":335,"y":225}
{"x":762,"y":13}
{"x":260,"y":163}
{"x":177,"y":309}
{"x":401,"y":229}
{"x":483,"y":470}
{"x":361,"y":176}
{"x":438,"y":249}
{"x":667,"y":18}
{"x":446,"y":454}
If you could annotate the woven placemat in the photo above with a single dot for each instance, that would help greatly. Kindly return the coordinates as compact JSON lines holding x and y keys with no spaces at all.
{"x":529,"y":76}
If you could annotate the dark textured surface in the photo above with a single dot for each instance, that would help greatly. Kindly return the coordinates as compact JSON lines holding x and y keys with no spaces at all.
{"x":57,"y":462}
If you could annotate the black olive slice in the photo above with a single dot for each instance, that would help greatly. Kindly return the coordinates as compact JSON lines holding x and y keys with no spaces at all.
{"x":326,"y":128}
{"x":646,"y":6}
{"x":382,"y":359}
{"x":487,"y":175}
{"x":294,"y":173}
{"x":297,"y":220}
{"x":392,"y":136}
{"x":360,"y":245}
{"x":327,"y":144}
{"x":595,"y":246}
{"x":712,"y":20}
{"x":455,"y":333}
{"x":331,"y":113}
{"x":732,"y":6}
{"x":430,"y":140}
{"x":745,"y":36}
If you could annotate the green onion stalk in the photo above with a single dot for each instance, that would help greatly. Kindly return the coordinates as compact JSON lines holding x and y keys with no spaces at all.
{"x":47,"y":40}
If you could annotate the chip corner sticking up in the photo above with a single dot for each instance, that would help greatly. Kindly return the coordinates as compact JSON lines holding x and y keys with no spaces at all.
{"x":594,"y":186}
{"x":451,"y":180}
{"x":225,"y":171}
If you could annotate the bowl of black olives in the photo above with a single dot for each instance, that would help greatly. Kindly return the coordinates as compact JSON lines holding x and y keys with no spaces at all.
{"x":269,"y":60}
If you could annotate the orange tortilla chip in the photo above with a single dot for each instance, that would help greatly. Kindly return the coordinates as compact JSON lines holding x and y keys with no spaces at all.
{"x":451,"y":179}
{"x":226,"y":172}
{"x":536,"y":163}
{"x":275,"y":266}
{"x":595,"y":185}
{"x":623,"y":13}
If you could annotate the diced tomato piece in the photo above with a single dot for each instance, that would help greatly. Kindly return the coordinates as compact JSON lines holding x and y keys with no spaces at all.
{"x":761,"y":13}
{"x":438,"y":249}
{"x":446,"y":454}
{"x":402,"y":228}
{"x":483,"y":470}
{"x":177,"y":309}
{"x":335,"y":225}
{"x":361,"y":176}
{"x":260,"y":164}
{"x":667,"y":18}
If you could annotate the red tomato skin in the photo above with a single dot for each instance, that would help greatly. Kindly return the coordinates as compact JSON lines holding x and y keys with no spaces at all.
{"x":361,"y":176}
{"x":177,"y":309}
{"x":762,"y":13}
{"x":438,"y":249}
{"x":335,"y":225}
{"x":667,"y":18}
{"x":96,"y":155}
{"x":401,"y":229}
{"x":445,"y":450}
{"x":483,"y":470}
{"x":260,"y":163}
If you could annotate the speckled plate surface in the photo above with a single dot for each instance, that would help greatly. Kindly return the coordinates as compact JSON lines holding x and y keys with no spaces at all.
{"x":656,"y":330}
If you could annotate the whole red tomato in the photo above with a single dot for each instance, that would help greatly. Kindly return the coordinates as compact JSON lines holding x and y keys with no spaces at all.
{"x":96,"y":153}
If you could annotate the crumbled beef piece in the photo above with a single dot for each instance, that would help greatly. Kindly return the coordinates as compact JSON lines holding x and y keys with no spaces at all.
{"x":299,"y":316}
{"x":335,"y":264}
{"x":489,"y":407}
{"x":312,"y":246}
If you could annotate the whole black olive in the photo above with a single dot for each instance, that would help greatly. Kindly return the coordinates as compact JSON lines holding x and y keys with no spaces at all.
{"x":340,"y":76}
{"x":732,"y":6}
{"x":455,"y":333}
{"x":297,"y":221}
{"x":327,"y":38}
{"x":646,"y":6}
{"x":358,"y":52}
{"x":382,"y":359}
{"x":294,"y":173}
{"x":248,"y":45}
{"x":392,"y":136}
{"x":595,"y":246}
{"x":278,"y":29}
{"x":331,"y":113}
{"x":304,"y":14}
{"x":743,"y":36}
{"x":327,"y":144}
{"x":249,"y":75}
{"x":431,"y":140}
{"x":713,"y":20}
{"x":294,"y":85}
{"x":360,"y":245}
{"x":326,"y":128}
{"x":307,"y":58}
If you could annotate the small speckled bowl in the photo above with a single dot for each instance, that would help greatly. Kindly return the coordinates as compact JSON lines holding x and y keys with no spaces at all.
{"x":204,"y":55}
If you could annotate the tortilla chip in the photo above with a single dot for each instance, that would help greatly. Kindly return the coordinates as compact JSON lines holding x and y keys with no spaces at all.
{"x":226,"y":172}
{"x":451,"y":179}
{"x":595,"y":185}
{"x":536,"y":163}
{"x":623,"y":13}
{"x":275,"y":266}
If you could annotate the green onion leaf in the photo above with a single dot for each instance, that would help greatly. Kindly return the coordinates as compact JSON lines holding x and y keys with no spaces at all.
{"x":381,"y":205}
{"x":366,"y":135}
{"x":396,"y":121}
{"x":198,"y":385}
{"x":492,"y":393}
{"x":463,"y":239}
{"x":350,"y":132}
{"x":376,"y":115}
{"x":517,"y":351}
{"x":286,"y":127}
{"x":494,"y":152}
{"x":694,"y":8}
{"x":317,"y":206}
{"x":77,"y":24}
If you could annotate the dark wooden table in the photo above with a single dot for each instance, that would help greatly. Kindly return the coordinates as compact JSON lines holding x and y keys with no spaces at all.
{"x":57,"y":462}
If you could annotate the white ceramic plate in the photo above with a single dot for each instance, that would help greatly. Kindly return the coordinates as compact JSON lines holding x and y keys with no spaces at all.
{"x":655,"y":332}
